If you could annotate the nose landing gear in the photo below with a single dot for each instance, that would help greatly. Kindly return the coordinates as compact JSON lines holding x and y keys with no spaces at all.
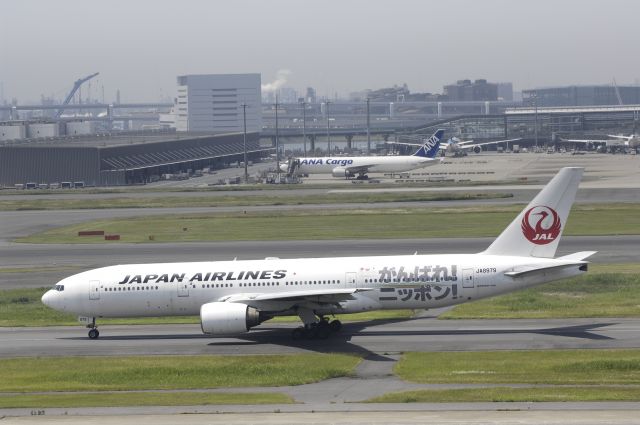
{"x":93,"y":329}
{"x":94,"y":334}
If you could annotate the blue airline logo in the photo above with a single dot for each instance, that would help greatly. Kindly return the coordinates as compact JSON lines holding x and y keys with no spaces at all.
{"x":431,"y":145}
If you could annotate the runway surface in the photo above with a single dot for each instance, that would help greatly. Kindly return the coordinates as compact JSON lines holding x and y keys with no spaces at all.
{"x":62,"y":260}
{"x":371,"y":339}
{"x":339,"y":400}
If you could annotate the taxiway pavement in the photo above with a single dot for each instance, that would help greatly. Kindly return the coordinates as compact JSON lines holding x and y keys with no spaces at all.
{"x":371,"y":339}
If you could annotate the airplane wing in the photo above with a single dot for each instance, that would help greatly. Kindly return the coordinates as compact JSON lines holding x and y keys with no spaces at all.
{"x":467,"y":145}
{"x":620,"y":137}
{"x":443,"y":145}
{"x":279,"y":302}
{"x":317,"y":295}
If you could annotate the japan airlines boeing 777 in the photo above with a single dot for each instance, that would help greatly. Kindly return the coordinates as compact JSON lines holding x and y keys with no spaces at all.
{"x":359,"y":166}
{"x":231,"y":297}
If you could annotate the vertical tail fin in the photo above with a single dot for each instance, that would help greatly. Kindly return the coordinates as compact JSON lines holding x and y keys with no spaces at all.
{"x":431,"y":146}
{"x":536,"y":231}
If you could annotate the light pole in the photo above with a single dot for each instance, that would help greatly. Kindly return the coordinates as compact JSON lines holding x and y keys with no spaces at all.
{"x":535,"y":130}
{"x":277,"y":141}
{"x":244,"y":119}
{"x":328,"y":133}
{"x":368,"y":127}
{"x":304,"y":128}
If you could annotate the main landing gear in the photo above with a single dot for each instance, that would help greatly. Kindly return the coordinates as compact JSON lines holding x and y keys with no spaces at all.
{"x":316,"y":330}
{"x":93,"y":329}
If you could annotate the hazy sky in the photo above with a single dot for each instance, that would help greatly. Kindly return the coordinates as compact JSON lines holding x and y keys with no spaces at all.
{"x":140,"y":46}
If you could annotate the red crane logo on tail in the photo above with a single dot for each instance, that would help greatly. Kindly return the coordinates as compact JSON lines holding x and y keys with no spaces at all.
{"x":541,"y":225}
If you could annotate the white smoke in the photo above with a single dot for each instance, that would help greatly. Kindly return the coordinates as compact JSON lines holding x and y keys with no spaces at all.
{"x":281,"y":79}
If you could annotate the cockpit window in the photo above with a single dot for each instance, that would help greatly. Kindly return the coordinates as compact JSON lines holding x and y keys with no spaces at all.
{"x":59,"y":288}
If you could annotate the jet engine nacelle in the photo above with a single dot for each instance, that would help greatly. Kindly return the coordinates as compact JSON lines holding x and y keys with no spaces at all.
{"x":477,"y":149}
{"x":219,"y":318}
{"x":341,"y":172}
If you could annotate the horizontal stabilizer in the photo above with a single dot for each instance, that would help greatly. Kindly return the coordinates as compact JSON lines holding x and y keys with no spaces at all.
{"x":578,"y":256}
{"x":523,"y":271}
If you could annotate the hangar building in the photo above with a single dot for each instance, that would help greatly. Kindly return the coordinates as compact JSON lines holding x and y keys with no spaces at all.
{"x":128,"y":158}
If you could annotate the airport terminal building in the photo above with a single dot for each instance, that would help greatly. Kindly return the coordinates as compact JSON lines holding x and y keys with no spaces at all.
{"x":120,"y":159}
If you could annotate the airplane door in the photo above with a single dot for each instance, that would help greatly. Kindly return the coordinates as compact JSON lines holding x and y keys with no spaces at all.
{"x":94,"y":289}
{"x":183,"y":289}
{"x":467,"y":278}
{"x":350,"y":279}
{"x":470,"y":282}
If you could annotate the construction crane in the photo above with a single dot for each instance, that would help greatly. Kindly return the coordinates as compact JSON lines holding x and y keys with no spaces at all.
{"x":75,"y":88}
{"x":617,"y":90}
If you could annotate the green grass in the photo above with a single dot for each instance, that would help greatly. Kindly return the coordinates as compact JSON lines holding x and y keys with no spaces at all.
{"x":505,"y":394}
{"x":169,"y":372}
{"x":339,"y":224}
{"x":22,"y":307}
{"x":611,"y":290}
{"x":559,"y":367}
{"x":139,"y":399}
{"x":18,"y":204}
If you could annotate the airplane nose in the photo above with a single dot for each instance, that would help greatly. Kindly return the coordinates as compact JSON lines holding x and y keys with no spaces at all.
{"x":46,"y":298}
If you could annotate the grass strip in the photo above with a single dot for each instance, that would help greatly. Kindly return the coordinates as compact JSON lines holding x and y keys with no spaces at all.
{"x":140,"y":399}
{"x":261,"y":187}
{"x":611,"y":290}
{"x":559,"y":367}
{"x":169,"y":372}
{"x":18,"y":204}
{"x":339,"y":224}
{"x":506,"y":394}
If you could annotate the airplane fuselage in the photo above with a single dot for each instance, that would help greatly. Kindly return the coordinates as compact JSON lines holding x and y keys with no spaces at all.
{"x":374,"y":164}
{"x":386,"y":282}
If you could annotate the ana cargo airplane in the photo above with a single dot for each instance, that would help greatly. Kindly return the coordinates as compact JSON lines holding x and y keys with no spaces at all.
{"x":359,"y":166}
{"x":231,"y":297}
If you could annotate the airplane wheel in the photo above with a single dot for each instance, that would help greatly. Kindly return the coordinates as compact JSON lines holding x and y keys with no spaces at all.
{"x":335,"y":325}
{"x":94,"y":334}
{"x":297,"y":333}
{"x":311,"y":332}
{"x":322,"y":332}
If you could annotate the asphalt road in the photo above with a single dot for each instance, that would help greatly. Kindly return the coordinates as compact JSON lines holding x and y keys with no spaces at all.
{"x":374,"y":339}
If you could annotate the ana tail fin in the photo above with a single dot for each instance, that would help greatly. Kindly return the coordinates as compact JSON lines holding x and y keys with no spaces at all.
{"x":537,"y":229}
{"x":431,"y":146}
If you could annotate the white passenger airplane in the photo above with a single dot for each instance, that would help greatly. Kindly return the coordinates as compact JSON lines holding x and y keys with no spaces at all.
{"x":457,"y":147}
{"x":359,"y":166}
{"x":231,"y":297}
{"x":632,"y":141}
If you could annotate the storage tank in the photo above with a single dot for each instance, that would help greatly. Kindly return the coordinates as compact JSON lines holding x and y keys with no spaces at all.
{"x":75,"y":128}
{"x":12,"y":131}
{"x":43,"y":130}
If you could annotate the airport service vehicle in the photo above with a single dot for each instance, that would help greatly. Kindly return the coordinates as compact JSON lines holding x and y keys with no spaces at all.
{"x":231,"y":297}
{"x":359,"y":166}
